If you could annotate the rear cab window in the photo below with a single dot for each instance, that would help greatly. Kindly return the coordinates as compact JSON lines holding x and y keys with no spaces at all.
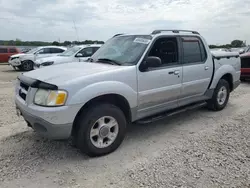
{"x":193,"y":50}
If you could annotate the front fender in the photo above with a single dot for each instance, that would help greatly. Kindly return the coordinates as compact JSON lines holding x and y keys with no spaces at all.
{"x":105,"y":87}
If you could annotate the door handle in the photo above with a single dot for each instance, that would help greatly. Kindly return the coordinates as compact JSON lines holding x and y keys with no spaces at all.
{"x":176,"y":72}
{"x":206,"y":67}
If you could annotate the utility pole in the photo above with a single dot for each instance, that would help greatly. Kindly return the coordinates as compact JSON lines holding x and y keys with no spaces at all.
{"x":76,"y":30}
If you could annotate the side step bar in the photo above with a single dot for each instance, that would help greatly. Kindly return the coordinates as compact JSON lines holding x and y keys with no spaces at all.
{"x":171,"y":113}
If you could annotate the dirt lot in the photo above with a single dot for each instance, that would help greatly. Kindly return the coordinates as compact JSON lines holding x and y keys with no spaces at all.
{"x":195,"y":149}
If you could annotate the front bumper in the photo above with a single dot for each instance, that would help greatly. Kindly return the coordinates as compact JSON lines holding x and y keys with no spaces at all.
{"x":15,"y":62}
{"x":53,"y":123}
{"x":46,"y":129}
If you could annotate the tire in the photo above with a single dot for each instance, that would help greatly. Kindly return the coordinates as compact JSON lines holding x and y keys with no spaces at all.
{"x":91,"y":121}
{"x":217,"y":102}
{"x":27,"y":66}
{"x":242,"y":79}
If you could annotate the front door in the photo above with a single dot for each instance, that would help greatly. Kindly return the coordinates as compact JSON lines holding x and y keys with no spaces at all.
{"x":159,"y":88}
{"x":197,"y":70}
{"x":85,"y":53}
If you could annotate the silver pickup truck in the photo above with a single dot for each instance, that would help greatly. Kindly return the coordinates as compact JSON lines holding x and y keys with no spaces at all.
{"x":131,"y":78}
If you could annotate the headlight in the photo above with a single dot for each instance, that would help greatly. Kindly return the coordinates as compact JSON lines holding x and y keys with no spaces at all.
{"x":12,"y":58}
{"x":47,"y":63}
{"x":50,"y":97}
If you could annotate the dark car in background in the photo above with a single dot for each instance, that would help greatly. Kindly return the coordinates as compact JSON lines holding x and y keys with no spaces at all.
{"x":6,"y":52}
{"x":245,"y":66}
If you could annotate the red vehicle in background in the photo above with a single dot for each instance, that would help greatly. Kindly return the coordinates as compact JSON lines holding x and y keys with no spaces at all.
{"x":245,"y":66}
{"x":6,"y":52}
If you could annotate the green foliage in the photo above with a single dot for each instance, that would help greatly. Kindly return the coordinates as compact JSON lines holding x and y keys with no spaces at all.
{"x":233,"y":44}
{"x":18,"y":42}
{"x":237,"y":43}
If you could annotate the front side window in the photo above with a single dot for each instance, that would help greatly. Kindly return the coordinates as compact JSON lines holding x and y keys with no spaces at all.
{"x":193,"y":50}
{"x":71,"y":51}
{"x":86,"y":52}
{"x":167,"y":50}
{"x":124,"y":49}
{"x":3,"y":50}
{"x":44,"y":51}
{"x":32,"y":51}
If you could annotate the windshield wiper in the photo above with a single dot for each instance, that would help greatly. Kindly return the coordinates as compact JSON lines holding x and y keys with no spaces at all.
{"x":109,"y":61}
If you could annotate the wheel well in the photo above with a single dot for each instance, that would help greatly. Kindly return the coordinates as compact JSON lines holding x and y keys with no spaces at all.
{"x":114,"y":99}
{"x":229,"y":78}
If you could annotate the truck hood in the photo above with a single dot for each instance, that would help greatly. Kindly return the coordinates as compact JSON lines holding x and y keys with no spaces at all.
{"x":63,"y":73}
{"x":56,"y":59}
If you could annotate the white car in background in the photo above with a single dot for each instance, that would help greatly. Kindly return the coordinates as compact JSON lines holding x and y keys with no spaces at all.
{"x":25,"y":61}
{"x":74,"y":54}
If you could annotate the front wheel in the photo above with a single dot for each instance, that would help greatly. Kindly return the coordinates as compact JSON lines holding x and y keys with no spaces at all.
{"x":27,"y":66}
{"x":101,"y":130}
{"x":220,"y":96}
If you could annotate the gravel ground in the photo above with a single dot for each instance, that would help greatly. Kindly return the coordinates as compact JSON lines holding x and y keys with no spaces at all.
{"x":195,"y":149}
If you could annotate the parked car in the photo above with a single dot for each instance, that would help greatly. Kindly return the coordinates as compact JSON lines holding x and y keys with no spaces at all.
{"x":6,"y":52}
{"x":25,"y":61}
{"x":131,"y":78}
{"x":74,"y":54}
{"x":245,"y":66}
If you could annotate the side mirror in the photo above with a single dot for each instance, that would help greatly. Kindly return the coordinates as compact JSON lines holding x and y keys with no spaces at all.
{"x":151,"y":61}
{"x":79,"y":55}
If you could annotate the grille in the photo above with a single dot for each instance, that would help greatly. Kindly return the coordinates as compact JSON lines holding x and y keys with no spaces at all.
{"x":23,"y":90}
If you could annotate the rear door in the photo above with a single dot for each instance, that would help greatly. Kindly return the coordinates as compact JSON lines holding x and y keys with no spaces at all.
{"x":245,"y":67}
{"x":4,"y":55}
{"x":197,"y":69}
{"x":13,"y":51}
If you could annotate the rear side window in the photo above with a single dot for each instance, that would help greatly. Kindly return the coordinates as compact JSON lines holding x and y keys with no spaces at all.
{"x":13,"y":50}
{"x":245,"y":62}
{"x":3,"y":50}
{"x":56,"y":50}
{"x":193,"y":50}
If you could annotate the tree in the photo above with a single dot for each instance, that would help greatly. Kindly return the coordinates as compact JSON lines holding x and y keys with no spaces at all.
{"x":18,"y":42}
{"x":67,"y":43}
{"x":55,"y":43}
{"x":237,"y":43}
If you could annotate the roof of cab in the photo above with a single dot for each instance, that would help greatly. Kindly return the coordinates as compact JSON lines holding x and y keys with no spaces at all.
{"x":173,"y":32}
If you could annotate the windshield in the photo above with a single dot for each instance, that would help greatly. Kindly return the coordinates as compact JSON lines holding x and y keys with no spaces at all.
{"x":123,"y":49}
{"x":32,"y":51}
{"x":71,"y":51}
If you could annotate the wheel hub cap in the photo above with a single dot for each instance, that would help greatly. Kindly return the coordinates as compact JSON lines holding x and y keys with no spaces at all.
{"x":104,"y":131}
{"x":222,"y":95}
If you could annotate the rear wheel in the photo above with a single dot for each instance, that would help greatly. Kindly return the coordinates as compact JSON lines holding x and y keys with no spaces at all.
{"x":220,"y":96}
{"x":101,"y":130}
{"x":27,"y":66}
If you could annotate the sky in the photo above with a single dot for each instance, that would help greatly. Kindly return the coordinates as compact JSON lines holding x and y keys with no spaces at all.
{"x":219,"y":21}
